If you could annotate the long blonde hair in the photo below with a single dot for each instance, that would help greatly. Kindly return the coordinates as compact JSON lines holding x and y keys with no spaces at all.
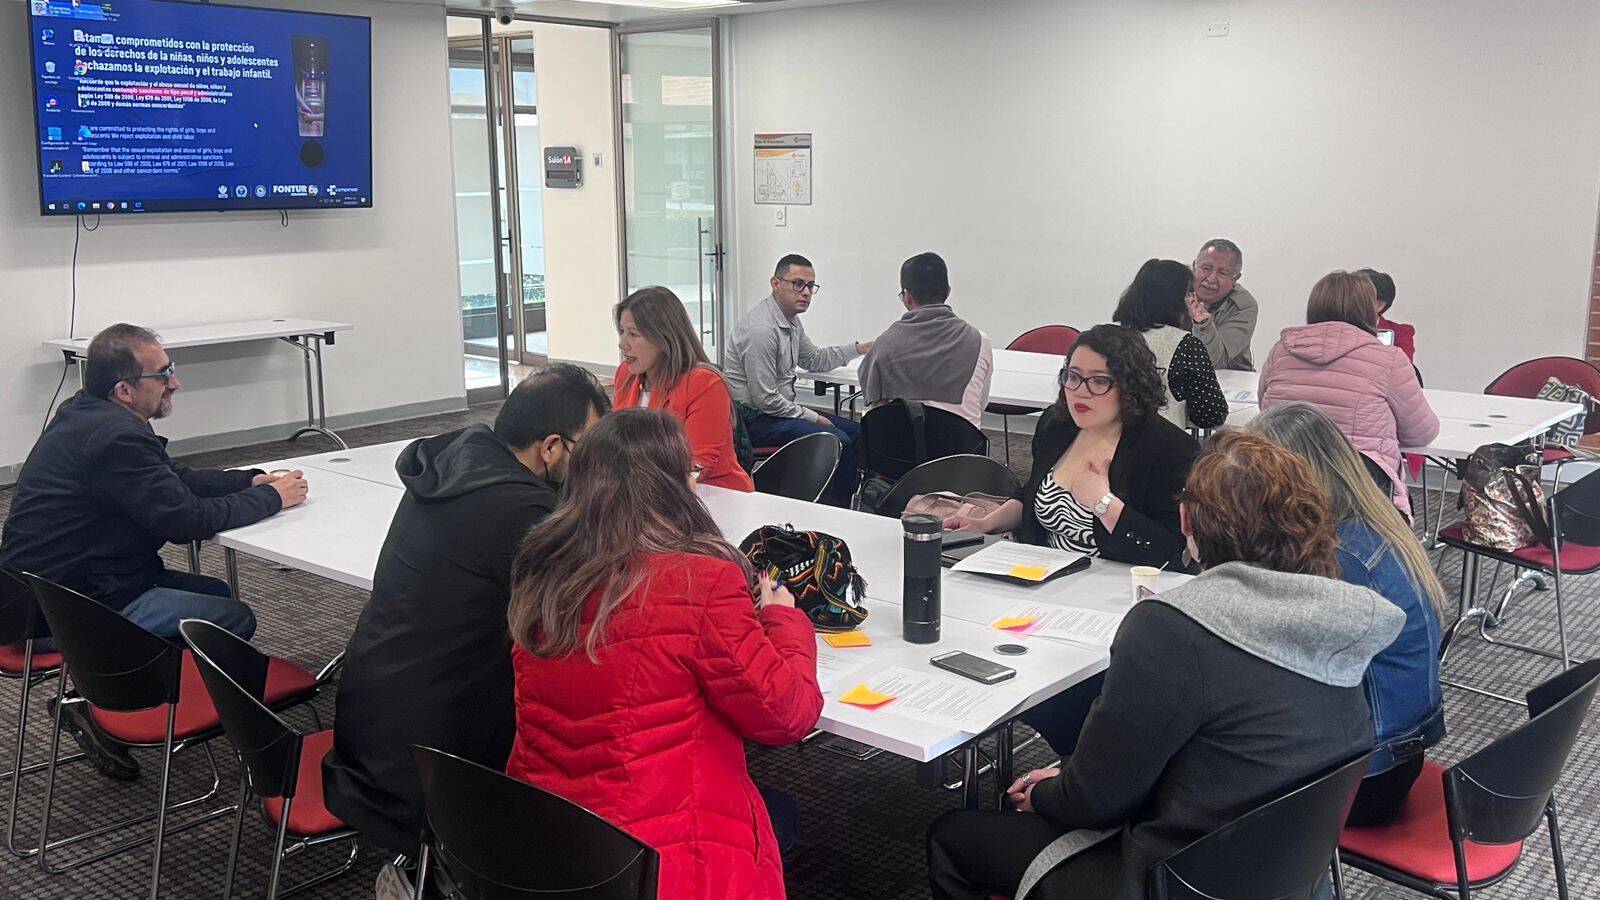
{"x":627,"y":494}
{"x":1351,"y":491}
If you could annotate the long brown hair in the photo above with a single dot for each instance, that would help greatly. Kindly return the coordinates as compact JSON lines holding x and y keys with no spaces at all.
{"x":661,"y":319}
{"x":1351,"y":491}
{"x":1344,"y":297}
{"x":1251,"y":500}
{"x":627,"y":494}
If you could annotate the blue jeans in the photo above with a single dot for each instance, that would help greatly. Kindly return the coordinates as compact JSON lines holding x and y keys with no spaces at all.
{"x":185,"y":595}
{"x":771,"y":431}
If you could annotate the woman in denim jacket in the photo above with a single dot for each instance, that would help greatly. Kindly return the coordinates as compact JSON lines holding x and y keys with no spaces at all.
{"x":1377,"y":550}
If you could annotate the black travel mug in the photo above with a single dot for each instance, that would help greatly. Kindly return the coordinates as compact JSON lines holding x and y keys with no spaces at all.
{"x":920,"y":605}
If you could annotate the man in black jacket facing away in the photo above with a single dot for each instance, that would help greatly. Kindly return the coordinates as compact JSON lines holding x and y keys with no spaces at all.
{"x":430,"y":660}
{"x":98,"y":497}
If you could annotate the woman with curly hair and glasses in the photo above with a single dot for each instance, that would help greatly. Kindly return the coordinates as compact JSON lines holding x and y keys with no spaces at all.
{"x":1107,"y":467}
{"x":1223,"y":693}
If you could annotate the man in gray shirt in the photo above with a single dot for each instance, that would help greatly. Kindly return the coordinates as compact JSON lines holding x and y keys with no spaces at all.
{"x":1224,"y":314}
{"x":766,"y":347}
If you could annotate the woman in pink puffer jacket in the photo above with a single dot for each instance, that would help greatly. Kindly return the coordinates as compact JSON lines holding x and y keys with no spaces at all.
{"x":1337,"y":363}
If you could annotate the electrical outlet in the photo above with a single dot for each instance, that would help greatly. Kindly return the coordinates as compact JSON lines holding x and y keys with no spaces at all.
{"x":780,"y":216}
{"x":599,"y":160}
{"x":1216,"y":29}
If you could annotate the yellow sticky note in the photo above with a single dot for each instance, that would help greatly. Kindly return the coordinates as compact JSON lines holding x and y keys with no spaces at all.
{"x":863,"y":696}
{"x":1031,"y":573}
{"x":1008,"y":623}
{"x":848,"y":639}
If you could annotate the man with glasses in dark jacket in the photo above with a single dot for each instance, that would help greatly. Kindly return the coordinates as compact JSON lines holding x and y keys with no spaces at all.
{"x":430,"y":660}
{"x":98,"y":497}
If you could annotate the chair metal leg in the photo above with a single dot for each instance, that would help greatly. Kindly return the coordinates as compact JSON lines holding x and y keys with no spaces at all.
{"x":1462,"y":887}
{"x":1561,"y":615}
{"x":1003,"y":764}
{"x":277,"y":848}
{"x":161,"y":802}
{"x":424,"y":860}
{"x":50,"y":770}
{"x":969,"y":776}
{"x":238,"y":830}
{"x":1005,"y":426}
{"x":313,"y":881}
{"x":1555,"y":849}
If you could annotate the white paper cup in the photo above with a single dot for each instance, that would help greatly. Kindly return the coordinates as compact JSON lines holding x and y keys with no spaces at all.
{"x":1144,"y":577}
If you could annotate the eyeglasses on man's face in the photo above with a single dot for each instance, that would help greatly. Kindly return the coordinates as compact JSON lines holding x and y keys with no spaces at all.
{"x":1072,"y":379}
{"x":801,"y":285}
{"x":166,"y":373}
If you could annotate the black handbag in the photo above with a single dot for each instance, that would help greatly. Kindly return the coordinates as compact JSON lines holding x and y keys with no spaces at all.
{"x":1578,"y":510}
{"x":816,"y":569}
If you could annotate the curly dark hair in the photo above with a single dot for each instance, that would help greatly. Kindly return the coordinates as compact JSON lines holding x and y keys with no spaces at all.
{"x":1132,"y":367}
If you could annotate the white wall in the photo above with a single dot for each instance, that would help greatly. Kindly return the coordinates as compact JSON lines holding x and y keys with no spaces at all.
{"x":1048,"y":147}
{"x":389,"y":270}
{"x":582,"y":277}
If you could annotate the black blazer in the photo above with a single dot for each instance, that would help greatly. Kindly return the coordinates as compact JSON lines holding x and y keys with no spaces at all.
{"x":1148,"y":470}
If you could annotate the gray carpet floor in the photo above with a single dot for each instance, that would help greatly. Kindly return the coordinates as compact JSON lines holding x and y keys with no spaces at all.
{"x":863,"y":822}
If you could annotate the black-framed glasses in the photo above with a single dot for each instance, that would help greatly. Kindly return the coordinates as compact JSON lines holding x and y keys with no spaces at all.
{"x":1094,"y":384}
{"x":165,"y":373}
{"x":801,"y":285}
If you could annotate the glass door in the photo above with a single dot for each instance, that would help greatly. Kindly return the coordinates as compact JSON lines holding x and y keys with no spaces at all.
{"x":499,"y":213}
{"x":670,"y":106}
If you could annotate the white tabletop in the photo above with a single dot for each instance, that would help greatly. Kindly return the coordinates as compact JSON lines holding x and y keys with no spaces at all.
{"x":222,"y":333}
{"x":374,"y":462}
{"x":1019,"y":379}
{"x":338,"y":532}
{"x":1466,"y":421}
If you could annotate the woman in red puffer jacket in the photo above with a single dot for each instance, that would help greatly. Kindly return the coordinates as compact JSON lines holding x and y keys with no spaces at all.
{"x":642,"y":662}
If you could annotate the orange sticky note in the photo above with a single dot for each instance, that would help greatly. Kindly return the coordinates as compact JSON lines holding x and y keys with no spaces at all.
{"x":865,"y":697}
{"x":1013,"y":623}
{"x":1031,"y":573}
{"x":847,"y":639}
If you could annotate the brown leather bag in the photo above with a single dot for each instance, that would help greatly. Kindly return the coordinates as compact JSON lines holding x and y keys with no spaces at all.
{"x":1503,"y":499}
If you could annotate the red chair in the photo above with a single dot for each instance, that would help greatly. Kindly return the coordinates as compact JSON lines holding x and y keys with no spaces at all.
{"x":1052,"y":339}
{"x":1462,"y":828}
{"x":1526,"y":378}
{"x":282,"y":766}
{"x":142,"y":691}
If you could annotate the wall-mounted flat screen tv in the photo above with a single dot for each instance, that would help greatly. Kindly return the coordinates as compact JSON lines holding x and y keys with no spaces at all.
{"x":146,"y":106}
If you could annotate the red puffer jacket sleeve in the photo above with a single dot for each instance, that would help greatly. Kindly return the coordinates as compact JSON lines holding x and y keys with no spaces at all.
{"x":759,"y":670}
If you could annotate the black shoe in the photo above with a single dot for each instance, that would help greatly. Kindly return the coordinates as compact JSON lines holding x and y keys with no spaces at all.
{"x":109,"y":758}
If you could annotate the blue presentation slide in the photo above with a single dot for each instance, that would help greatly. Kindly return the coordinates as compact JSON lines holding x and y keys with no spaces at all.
{"x":156,"y":105}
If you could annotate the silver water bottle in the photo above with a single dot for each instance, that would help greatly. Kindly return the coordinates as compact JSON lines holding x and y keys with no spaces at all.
{"x":920,"y":602}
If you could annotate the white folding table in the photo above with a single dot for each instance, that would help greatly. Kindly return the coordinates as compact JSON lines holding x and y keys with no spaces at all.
{"x":1020,"y":378}
{"x":338,"y":532}
{"x":306,"y":335}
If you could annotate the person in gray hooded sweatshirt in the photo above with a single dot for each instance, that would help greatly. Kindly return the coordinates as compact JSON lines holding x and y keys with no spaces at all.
{"x":1222,"y":694}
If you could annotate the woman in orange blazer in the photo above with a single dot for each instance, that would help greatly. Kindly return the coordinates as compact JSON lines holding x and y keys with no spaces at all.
{"x":665,"y":367}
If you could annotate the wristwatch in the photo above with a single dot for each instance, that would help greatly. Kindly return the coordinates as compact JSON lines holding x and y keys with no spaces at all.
{"x":1104,"y":505}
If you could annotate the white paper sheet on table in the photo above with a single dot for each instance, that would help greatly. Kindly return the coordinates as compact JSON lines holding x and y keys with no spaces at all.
{"x":1091,"y":627}
{"x":941,"y":699}
{"x":834,"y":666}
{"x":1005,"y":557}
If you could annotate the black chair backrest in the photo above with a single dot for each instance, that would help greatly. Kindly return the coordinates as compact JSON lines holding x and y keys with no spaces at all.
{"x":965,"y":473}
{"x":1498,"y":794}
{"x":900,"y":435}
{"x":1577,"y":510}
{"x":19,"y":619}
{"x":503,"y":838}
{"x":235,"y":676}
{"x":115,"y":664}
{"x":1277,"y":851}
{"x":1379,"y":476}
{"x":801,"y":469}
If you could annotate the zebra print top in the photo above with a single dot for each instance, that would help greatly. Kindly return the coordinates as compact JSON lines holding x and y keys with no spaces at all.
{"x":1066,"y":522}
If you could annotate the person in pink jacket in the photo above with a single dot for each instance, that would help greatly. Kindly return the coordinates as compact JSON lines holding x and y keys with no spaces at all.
{"x":1336,"y":362}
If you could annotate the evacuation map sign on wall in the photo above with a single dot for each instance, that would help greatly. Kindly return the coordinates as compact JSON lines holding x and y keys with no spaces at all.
{"x":783,"y":168}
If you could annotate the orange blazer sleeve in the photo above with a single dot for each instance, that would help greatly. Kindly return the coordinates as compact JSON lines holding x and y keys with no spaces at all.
{"x":708,"y":418}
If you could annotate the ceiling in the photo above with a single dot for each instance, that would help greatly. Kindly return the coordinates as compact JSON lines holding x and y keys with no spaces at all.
{"x":623,"y":11}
